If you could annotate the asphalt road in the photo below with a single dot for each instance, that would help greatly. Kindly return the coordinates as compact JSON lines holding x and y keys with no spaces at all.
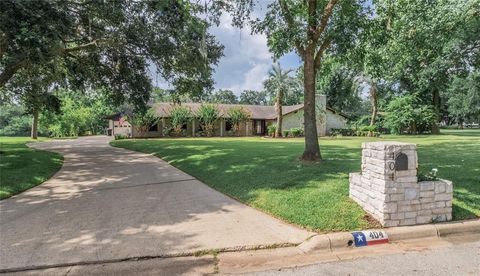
{"x":461,"y":259}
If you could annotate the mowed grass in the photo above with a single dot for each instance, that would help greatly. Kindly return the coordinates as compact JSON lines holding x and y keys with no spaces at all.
{"x":22,"y":168}
{"x":266,"y":173}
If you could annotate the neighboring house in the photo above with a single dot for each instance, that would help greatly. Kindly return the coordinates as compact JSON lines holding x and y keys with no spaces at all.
{"x":118,"y":125}
{"x":260,"y":118}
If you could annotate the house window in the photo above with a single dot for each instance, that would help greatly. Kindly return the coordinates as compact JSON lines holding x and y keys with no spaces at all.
{"x":228,"y":125}
{"x":153,"y":127}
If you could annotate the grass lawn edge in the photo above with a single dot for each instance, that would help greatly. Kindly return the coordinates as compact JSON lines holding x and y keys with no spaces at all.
{"x":43,"y":174}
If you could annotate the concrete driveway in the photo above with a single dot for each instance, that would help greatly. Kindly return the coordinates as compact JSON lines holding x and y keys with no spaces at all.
{"x":108,"y":204}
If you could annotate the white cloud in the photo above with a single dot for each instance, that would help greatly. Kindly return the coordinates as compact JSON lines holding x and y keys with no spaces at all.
{"x":246,"y":61}
{"x":252,"y":79}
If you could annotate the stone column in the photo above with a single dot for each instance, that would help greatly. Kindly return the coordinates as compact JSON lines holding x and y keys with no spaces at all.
{"x":387,"y":187}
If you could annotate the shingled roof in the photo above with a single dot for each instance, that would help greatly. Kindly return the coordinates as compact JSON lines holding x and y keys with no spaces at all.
{"x":255,"y":111}
{"x":261,"y":112}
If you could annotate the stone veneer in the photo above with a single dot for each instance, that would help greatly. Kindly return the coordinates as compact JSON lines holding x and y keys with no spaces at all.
{"x":392,"y":194}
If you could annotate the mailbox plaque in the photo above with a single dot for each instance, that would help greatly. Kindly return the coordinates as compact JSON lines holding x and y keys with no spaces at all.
{"x":401,"y":162}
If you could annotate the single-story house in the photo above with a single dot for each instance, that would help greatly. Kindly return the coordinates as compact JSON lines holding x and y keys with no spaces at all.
{"x":260,"y":118}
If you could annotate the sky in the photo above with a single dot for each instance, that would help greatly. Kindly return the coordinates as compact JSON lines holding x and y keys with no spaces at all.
{"x":246,"y":59}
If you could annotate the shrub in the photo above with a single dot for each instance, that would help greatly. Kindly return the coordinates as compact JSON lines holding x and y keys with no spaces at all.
{"x":143,"y":121}
{"x":342,"y":131}
{"x":207,"y":115}
{"x":296,"y":132}
{"x":364,"y":121}
{"x":367,"y":133}
{"x":120,"y":136}
{"x":168,"y":131}
{"x":285,"y":133}
{"x":428,"y":176}
{"x":271,"y":129}
{"x":237,"y":116}
{"x":406,"y":114}
{"x":180,"y":116}
{"x":368,"y":128}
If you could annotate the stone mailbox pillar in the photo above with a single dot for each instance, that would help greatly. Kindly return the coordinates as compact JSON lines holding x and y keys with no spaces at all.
{"x":388,"y":189}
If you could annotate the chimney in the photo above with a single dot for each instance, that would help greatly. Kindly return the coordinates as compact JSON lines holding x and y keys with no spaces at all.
{"x":321,"y":101}
{"x":321,"y":114}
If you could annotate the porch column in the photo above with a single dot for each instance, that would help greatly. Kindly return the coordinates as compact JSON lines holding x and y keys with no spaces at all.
{"x":163,"y":126}
{"x":221,"y":126}
{"x":246,"y":127}
{"x":193,"y":127}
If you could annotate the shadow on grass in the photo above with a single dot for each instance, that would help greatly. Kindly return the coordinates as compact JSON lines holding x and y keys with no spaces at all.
{"x":267,"y":174}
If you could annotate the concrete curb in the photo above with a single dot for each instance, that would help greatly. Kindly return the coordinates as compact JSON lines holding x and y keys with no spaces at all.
{"x":345,"y":240}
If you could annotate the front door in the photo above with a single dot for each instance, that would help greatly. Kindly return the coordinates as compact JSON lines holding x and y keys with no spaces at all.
{"x":259,"y":126}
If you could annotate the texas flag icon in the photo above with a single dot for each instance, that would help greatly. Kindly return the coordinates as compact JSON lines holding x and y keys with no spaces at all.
{"x":366,"y":238}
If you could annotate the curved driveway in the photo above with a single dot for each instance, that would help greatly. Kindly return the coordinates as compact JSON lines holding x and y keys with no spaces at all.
{"x":109,"y":204}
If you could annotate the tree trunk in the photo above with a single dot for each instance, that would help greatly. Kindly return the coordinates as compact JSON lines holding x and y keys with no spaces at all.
{"x":34,"y":133}
{"x":312,"y":148}
{"x":436,"y":106}
{"x":374,"y":100}
{"x":278,"y":107}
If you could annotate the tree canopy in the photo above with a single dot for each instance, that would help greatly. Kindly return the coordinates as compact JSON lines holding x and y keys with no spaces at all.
{"x":109,"y":44}
{"x":311,"y":29}
{"x":223,"y":96}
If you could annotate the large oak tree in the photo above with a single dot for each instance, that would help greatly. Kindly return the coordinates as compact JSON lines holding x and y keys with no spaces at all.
{"x":311,"y":29}
{"x":108,"y":44}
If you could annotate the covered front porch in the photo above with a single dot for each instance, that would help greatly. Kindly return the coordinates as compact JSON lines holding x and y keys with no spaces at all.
{"x":223,"y":128}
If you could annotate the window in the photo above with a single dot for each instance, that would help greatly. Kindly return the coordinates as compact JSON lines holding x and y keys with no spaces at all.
{"x":228,"y":125}
{"x":153,"y":127}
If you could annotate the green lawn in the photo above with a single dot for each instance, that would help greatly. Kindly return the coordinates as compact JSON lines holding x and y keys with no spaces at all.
{"x":266,"y":174}
{"x":22,"y":168}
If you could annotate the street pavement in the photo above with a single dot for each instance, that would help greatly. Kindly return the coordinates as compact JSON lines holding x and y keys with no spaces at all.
{"x":459,"y":255}
{"x":460,"y":259}
{"x":109,"y":205}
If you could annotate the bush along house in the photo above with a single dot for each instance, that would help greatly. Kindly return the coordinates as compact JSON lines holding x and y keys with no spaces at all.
{"x":260,"y":117}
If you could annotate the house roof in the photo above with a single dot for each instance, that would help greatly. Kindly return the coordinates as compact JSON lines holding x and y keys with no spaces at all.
{"x":115,"y":116}
{"x":338,"y":113}
{"x":255,"y":111}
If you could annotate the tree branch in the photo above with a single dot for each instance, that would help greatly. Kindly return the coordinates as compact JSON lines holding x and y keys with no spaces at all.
{"x":93,"y":43}
{"x":9,"y":71}
{"x":327,"y":12}
{"x":312,"y":21}
{"x":320,"y":52}
{"x":288,"y":18}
